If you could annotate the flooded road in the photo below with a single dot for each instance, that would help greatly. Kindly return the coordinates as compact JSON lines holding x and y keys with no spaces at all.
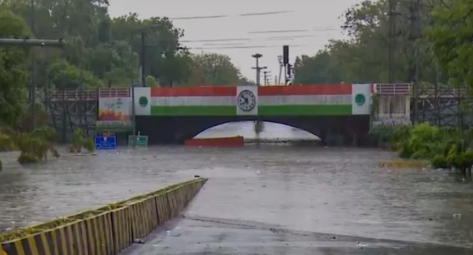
{"x":264,"y":193}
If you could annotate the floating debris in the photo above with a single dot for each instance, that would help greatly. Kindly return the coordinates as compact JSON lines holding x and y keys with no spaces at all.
{"x":139,"y":241}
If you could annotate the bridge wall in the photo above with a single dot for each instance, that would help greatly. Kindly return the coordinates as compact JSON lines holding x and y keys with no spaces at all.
{"x":180,"y":113}
{"x":313,"y":100}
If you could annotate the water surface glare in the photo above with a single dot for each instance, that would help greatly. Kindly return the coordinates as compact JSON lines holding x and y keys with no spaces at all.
{"x":324,"y":190}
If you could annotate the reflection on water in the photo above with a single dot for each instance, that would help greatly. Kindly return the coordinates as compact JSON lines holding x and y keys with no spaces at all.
{"x":323,"y":190}
{"x":246,"y":129}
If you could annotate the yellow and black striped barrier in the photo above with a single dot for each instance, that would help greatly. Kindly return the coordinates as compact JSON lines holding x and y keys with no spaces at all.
{"x":103,"y":231}
{"x":404,"y":164}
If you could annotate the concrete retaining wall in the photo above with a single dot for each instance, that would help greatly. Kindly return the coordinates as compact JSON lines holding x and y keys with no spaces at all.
{"x":103,"y":231}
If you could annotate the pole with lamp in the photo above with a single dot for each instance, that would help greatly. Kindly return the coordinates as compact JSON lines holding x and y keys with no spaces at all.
{"x":258,"y":69}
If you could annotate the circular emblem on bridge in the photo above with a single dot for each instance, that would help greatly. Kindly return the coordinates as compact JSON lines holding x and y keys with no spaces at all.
{"x":143,"y":101}
{"x":360,"y":99}
{"x":246,"y":100}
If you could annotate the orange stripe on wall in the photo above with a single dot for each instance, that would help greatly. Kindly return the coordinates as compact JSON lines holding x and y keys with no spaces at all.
{"x":316,"y":89}
{"x":194,"y":91}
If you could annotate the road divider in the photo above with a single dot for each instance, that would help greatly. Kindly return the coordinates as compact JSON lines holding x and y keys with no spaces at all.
{"x":404,"y":164}
{"x":103,"y":231}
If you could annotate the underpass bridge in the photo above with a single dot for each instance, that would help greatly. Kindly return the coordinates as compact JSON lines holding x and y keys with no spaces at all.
{"x":172,"y":115}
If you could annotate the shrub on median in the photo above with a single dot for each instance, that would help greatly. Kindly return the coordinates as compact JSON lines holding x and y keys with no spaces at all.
{"x":79,"y":141}
{"x":442,"y":147}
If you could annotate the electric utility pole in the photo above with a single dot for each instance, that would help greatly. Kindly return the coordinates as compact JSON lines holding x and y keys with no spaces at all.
{"x":142,"y":59}
{"x":391,"y":40}
{"x":33,"y":83}
{"x":414,"y":35}
{"x":258,"y":69}
{"x":266,"y":77}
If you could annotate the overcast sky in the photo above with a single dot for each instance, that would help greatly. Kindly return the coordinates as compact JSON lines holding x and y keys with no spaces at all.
{"x":318,"y":19}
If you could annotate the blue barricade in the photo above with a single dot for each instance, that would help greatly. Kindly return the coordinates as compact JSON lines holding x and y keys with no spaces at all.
{"x":105,"y":142}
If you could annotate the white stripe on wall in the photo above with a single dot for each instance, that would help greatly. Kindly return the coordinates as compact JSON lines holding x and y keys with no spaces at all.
{"x":193,"y":101}
{"x":305,"y":99}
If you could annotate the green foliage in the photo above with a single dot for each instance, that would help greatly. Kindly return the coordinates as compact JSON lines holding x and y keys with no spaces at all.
{"x":13,"y":75}
{"x":364,"y":56}
{"x":151,"y":81}
{"x":5,"y":142}
{"x":28,"y":158}
{"x":36,"y":145}
{"x":77,"y":137}
{"x":214,"y":69}
{"x":79,"y":141}
{"x":88,"y":143}
{"x":443,"y":147}
{"x":450,"y":33}
{"x":104,"y":51}
{"x":33,"y":146}
{"x":439,"y":161}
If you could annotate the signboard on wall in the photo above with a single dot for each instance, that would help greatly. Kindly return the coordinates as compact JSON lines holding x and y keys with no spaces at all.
{"x":114,"y":110}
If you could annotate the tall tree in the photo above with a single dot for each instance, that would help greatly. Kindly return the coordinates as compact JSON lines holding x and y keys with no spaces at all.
{"x":214,"y":69}
{"x":104,"y":51}
{"x":452,"y":36}
{"x":13,"y":74}
{"x":364,"y":56}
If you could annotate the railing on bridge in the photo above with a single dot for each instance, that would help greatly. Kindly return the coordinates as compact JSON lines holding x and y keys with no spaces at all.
{"x":88,"y":95}
{"x":392,"y":105}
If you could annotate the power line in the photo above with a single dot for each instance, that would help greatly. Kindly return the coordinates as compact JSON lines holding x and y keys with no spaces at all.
{"x":264,"y":38}
{"x":216,"y":40}
{"x":265,"y":13}
{"x":223,"y":44}
{"x":228,"y":16}
{"x":270,"y":39}
{"x":295,"y":30}
{"x":289,"y":37}
{"x":201,"y":17}
{"x":277,"y":31}
{"x":244,"y":47}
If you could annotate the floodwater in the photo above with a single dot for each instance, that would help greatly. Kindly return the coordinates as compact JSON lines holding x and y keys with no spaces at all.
{"x":337,"y":192}
{"x":271,"y":131}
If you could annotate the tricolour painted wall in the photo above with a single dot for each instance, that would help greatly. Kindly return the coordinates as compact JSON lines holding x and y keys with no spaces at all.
{"x":313,"y":100}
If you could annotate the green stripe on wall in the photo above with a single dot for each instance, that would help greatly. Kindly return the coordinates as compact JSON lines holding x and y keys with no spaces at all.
{"x":263,"y":110}
{"x":207,"y":110}
{"x":292,"y":110}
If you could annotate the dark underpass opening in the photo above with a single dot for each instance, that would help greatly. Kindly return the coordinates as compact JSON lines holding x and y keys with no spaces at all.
{"x":350,"y":130}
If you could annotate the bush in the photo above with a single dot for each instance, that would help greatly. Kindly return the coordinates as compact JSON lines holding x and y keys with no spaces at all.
{"x":88,"y":144}
{"x":79,"y":141}
{"x":36,"y":145}
{"x":381,"y":134}
{"x":27,"y":158}
{"x":439,"y":161}
{"x":405,"y":151}
{"x":442,"y":147}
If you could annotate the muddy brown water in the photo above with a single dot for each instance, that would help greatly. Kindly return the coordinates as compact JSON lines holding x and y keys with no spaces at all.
{"x":338,"y":191}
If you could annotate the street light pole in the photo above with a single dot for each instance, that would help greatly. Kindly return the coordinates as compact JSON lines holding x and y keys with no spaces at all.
{"x":258,"y":68}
